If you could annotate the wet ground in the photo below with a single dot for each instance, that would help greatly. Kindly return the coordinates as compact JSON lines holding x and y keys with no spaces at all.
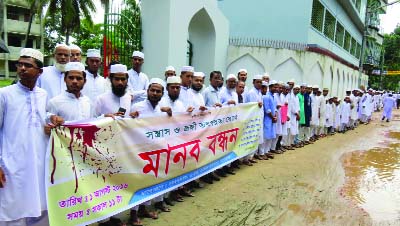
{"x":345,"y":179}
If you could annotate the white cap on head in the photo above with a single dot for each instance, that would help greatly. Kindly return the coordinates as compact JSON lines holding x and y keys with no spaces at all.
{"x":169,"y":68}
{"x":118,"y":68}
{"x":296,"y":87}
{"x":199,"y":74}
{"x":93,"y":53}
{"x":273,"y":82}
{"x":315,"y":87}
{"x":257,"y":77}
{"x":74,"y":66}
{"x":281,"y":83}
{"x":266,"y":74}
{"x":158,"y":81}
{"x":242,"y":70}
{"x":187,"y":69}
{"x":34,"y":53}
{"x":230,"y":76}
{"x":292,"y":80}
{"x":138,"y":54}
{"x":320,"y":90}
{"x":61,"y":45}
{"x":338,"y":99}
{"x":309,"y":86}
{"x":174,"y":79}
{"x":264,"y":83}
{"x":75,"y":47}
{"x":303,"y":84}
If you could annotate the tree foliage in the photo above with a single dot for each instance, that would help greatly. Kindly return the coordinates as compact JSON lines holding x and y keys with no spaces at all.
{"x":89,"y":36}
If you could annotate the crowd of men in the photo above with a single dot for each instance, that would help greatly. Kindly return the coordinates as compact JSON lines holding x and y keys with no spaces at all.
{"x":293,"y":115}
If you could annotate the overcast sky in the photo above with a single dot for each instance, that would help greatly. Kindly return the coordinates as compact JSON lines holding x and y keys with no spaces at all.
{"x":388,"y":20}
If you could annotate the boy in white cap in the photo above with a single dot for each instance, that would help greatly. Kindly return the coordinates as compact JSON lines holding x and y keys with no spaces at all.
{"x":95,"y":83}
{"x":138,"y":81}
{"x":169,"y":71}
{"x":22,"y":161}
{"x":71,"y":104}
{"x":76,"y":53}
{"x":117,"y":101}
{"x":52,"y":78}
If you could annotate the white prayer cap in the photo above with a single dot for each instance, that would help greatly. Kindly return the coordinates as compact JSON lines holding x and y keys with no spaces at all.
{"x":242,"y":70}
{"x":309,"y":86}
{"x":281,"y":83}
{"x":174,"y":79}
{"x":199,"y":74}
{"x":34,"y":53}
{"x":292,"y":80}
{"x":75,"y":47}
{"x":273,"y":82}
{"x":325,"y":88}
{"x":264,"y":83}
{"x":315,"y":87}
{"x":158,"y":81}
{"x":118,"y":68}
{"x":320,"y":90}
{"x":257,"y":77}
{"x":61,"y":45}
{"x":338,"y":99}
{"x":304,"y":84}
{"x":93,"y":53}
{"x":231,"y":76}
{"x":169,"y":68}
{"x":266,"y":74}
{"x":370,"y":89}
{"x":286,"y":86}
{"x":187,"y":69}
{"x":74,"y":66}
{"x":348,"y":90}
{"x":138,"y":54}
{"x":296,"y":87}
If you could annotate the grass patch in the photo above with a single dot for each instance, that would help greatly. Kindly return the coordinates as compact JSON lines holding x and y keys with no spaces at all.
{"x":5,"y":82}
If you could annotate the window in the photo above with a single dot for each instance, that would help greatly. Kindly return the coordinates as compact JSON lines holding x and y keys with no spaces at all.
{"x":358,"y":5}
{"x":347,"y":41}
{"x":329,"y":27}
{"x":358,"y":52}
{"x":339,"y":34}
{"x":353,"y":48}
{"x":14,"y":40}
{"x":317,"y":17}
{"x":11,"y":65}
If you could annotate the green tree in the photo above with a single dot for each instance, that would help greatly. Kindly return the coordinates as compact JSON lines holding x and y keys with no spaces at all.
{"x":391,"y":44}
{"x":89,"y":36}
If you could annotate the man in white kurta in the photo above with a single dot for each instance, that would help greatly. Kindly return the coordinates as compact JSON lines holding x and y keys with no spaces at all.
{"x":345,"y":114}
{"x":118,"y":101}
{"x":294,"y":114}
{"x":211,"y":93}
{"x":23,"y":144}
{"x":197,"y":86}
{"x":138,"y":81}
{"x":186,"y":95}
{"x":71,"y":104}
{"x":95,"y":83}
{"x":315,"y":107}
{"x":171,"y":100}
{"x":52,"y":78}
{"x":228,"y":95}
{"x":388,"y":104}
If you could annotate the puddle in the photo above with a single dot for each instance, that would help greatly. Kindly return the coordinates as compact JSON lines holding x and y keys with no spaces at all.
{"x":373,"y":181}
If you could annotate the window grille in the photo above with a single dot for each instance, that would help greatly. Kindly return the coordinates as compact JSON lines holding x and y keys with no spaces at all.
{"x":339,"y":34}
{"x":317,"y":17}
{"x":347,"y":41}
{"x":329,"y":27}
{"x":353,"y":47}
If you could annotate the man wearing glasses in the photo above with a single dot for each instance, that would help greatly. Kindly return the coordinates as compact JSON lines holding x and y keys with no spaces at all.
{"x":22,"y":161}
{"x":52,"y":78}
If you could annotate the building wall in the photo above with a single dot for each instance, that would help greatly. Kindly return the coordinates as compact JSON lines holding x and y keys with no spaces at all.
{"x":286,"y":20}
{"x":284,"y":64}
{"x":169,"y":24}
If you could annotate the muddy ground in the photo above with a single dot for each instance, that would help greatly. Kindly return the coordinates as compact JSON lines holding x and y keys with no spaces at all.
{"x":299,"y":187}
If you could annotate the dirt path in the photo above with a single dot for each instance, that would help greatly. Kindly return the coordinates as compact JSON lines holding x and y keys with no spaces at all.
{"x":300,"y":187}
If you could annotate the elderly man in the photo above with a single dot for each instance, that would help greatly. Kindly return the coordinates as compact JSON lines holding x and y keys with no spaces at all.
{"x":95,"y":83}
{"x":76,"y":53}
{"x":228,"y":95}
{"x":71,"y":104}
{"x":116,"y":102}
{"x":52,"y":78}
{"x":23,"y":145}
{"x":138,"y":81}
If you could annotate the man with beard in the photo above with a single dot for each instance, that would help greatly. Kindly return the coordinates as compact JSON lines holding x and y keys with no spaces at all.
{"x":242,"y":76}
{"x":228,"y":95}
{"x":169,"y":72}
{"x":76,"y":53}
{"x":197,"y":86}
{"x":23,"y":145}
{"x":186,"y":95}
{"x":171,"y":99}
{"x":308,"y":113}
{"x":72,"y":104}
{"x":116,"y":102}
{"x":95,"y":83}
{"x":270,"y":117}
{"x":138,"y":81}
{"x":52,"y":78}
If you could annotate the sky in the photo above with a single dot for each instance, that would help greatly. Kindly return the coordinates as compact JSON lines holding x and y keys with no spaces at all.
{"x":388,"y":20}
{"x":391,"y":18}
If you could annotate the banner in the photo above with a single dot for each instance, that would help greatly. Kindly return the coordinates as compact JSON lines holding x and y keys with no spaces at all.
{"x":101,"y":167}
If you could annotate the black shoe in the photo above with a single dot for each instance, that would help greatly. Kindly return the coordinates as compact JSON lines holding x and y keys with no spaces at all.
{"x":220,"y":173}
{"x":196,"y":184}
{"x":387,"y":120}
{"x":383,"y":118}
{"x":206,"y":179}
{"x":214,"y":177}
{"x":228,"y":170}
{"x":169,"y":202}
